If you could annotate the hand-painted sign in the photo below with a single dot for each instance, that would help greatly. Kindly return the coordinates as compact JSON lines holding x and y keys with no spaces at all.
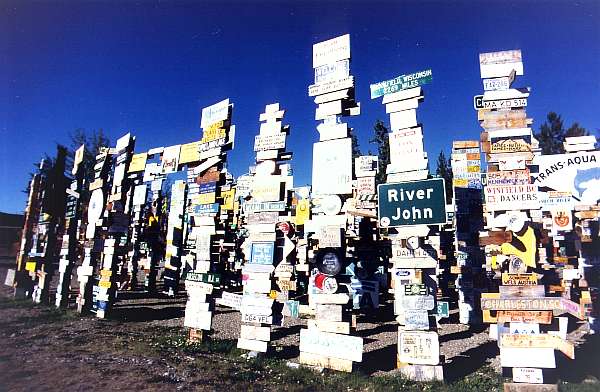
{"x":519,"y":279}
{"x":170,"y":159}
{"x":412,"y":203}
{"x":543,"y":303}
{"x":416,"y":319}
{"x":422,"y":348}
{"x":402,"y":82}
{"x":524,"y":316}
{"x":505,"y":197}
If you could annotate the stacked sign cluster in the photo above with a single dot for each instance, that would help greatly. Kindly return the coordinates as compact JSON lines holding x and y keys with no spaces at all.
{"x":468,"y":209}
{"x":268,"y":248}
{"x":205,"y":227}
{"x":328,"y":228}
{"x":515,"y":249}
{"x":68,"y":251}
{"x":405,"y":210}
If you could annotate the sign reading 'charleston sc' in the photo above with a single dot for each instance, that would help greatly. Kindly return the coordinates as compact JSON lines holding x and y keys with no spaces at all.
{"x":412,"y":203}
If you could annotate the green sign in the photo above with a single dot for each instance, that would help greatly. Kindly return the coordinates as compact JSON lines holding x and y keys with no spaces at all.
{"x":402,"y":82}
{"x":412,"y":203}
{"x":443,"y":309}
{"x":203,"y":277}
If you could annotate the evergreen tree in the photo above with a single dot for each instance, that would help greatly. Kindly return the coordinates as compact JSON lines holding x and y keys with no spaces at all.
{"x":380,"y":138}
{"x":551,"y":135}
{"x":93,"y":143}
{"x":576,"y":130}
{"x":444,"y":170}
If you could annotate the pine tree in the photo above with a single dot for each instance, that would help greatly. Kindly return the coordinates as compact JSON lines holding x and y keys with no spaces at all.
{"x":444,"y":170}
{"x":551,"y":135}
{"x":576,"y":130}
{"x":380,"y":138}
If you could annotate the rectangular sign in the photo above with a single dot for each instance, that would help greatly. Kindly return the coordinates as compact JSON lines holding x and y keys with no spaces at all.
{"x":524,"y":316}
{"x":203,"y":277}
{"x":328,"y":87}
{"x":331,"y":344}
{"x":269,"y":142}
{"x":421,"y":348}
{"x":543,"y":303}
{"x":509,"y":197}
{"x":170,"y":159}
{"x":332,"y":50}
{"x":494,"y":84}
{"x":138,"y":162}
{"x":217,"y":112}
{"x":331,"y":72}
{"x":402,"y":82}
{"x":230,"y":300}
{"x":519,"y":279}
{"x":189,"y":153}
{"x":264,"y":206}
{"x":578,"y":173}
{"x":332,"y":167}
{"x":262,"y":253}
{"x":480,"y":104}
{"x":412,"y":203}
{"x":266,"y":188}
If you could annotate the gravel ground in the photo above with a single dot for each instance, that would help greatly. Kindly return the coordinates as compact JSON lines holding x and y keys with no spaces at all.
{"x":464,"y":348}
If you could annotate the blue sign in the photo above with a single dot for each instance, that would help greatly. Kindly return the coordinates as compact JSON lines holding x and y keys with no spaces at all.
{"x":412,"y":203}
{"x":208,"y":187}
{"x":262,"y":253}
{"x":206,"y":209}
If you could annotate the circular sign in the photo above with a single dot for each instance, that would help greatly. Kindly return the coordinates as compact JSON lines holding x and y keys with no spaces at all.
{"x":384,"y":222}
{"x":412,"y":243}
{"x":515,"y":222}
{"x":331,"y":204}
{"x":284,"y":227}
{"x":329,"y":262}
{"x":95,"y":206}
{"x":325,"y":283}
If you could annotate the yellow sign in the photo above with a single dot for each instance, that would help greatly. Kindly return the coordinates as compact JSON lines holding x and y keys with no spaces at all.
{"x":30,"y":266}
{"x":519,"y":279}
{"x":105,"y":272}
{"x":302,"y":211}
{"x":189,"y":153}
{"x":228,"y":200}
{"x":213,"y":132}
{"x":205,"y":198}
{"x":104,"y":284}
{"x":138,"y":162}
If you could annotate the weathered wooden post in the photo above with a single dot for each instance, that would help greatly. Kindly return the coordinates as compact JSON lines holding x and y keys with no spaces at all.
{"x":410,"y":205}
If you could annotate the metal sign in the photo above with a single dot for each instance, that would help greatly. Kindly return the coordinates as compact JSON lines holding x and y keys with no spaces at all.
{"x":543,"y":303}
{"x":402,"y":82}
{"x":330,"y":72}
{"x":412,"y":203}
{"x":262,"y":253}
{"x":480,"y":104}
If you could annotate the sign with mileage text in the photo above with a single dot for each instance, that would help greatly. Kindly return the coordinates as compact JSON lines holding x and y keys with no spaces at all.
{"x":412,"y":203}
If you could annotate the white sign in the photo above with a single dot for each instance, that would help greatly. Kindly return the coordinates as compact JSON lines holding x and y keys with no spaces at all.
{"x":331,"y":344}
{"x":496,"y":84}
{"x":421,"y":348}
{"x":497,"y":64}
{"x":332,"y":131}
{"x":332,"y":167}
{"x":269,"y":142}
{"x":266,"y":188}
{"x":197,"y":318}
{"x":365,"y":165}
{"x":335,"y":85}
{"x":230,"y":300}
{"x":527,"y":357}
{"x":403,"y":119}
{"x":327,"y":109}
{"x":578,"y":173}
{"x":335,"y":71}
{"x":330,"y":237}
{"x":217,"y":112}
{"x":332,"y":50}
{"x":510,"y":197}
{"x":139,"y":195}
{"x":365,"y":186}
{"x":170,"y":159}
{"x":528,"y":375}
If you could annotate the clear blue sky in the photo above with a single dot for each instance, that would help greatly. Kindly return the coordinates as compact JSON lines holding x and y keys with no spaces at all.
{"x":149,"y":67}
